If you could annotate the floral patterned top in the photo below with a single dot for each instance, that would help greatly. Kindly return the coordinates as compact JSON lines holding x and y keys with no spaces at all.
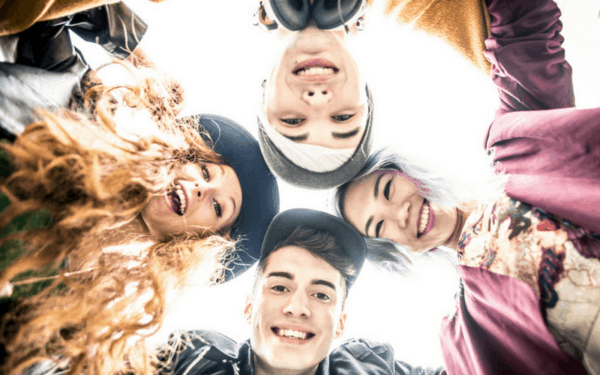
{"x":558,"y":260}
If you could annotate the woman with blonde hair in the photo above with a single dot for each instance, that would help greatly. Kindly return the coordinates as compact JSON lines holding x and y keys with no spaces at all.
{"x":99,"y":222}
{"x":528,"y":259}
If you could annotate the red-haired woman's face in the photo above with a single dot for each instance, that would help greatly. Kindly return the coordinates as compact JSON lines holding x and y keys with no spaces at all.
{"x":204,"y":198}
{"x":387,"y":204}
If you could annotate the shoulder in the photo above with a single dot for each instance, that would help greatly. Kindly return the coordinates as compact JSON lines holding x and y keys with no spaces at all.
{"x":372,"y":357}
{"x":197,"y":352}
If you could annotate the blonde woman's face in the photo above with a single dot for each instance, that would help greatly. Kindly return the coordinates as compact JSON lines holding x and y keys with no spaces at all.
{"x":204,"y":198}
{"x":315,"y":95}
{"x":387,"y":204}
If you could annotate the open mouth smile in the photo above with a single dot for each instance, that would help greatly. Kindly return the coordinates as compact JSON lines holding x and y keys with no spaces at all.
{"x":293,"y":335}
{"x":315,"y":70}
{"x":426,"y":219}
{"x":177,"y":199}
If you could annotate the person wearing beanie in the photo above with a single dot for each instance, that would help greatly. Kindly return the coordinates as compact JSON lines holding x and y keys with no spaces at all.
{"x":315,"y":121}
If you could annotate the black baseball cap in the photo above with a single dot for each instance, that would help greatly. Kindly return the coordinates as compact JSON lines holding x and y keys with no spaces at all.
{"x":349,"y":242}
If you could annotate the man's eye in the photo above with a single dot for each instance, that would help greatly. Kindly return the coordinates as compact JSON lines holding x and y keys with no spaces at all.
{"x":342,"y":118}
{"x":205,"y":173}
{"x":378,"y":228}
{"x":218,"y":209}
{"x":386,"y":190}
{"x":292,"y":121}
{"x":322,"y":296}
{"x":279,"y":288}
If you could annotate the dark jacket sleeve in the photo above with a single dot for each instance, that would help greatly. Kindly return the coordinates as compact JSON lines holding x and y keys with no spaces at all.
{"x":525,"y":48}
{"x":369,"y":357}
{"x":115,"y":27}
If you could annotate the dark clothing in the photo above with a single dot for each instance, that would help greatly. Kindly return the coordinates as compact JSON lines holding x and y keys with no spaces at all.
{"x":48,"y":70}
{"x":213,"y":353}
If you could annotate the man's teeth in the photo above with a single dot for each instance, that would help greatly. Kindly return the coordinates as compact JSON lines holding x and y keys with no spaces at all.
{"x":293,"y":334}
{"x":424,"y":218}
{"x":182,"y":199}
{"x":315,"y":70}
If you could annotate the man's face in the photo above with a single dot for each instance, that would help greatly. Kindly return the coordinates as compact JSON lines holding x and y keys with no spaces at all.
{"x":296,"y":310}
{"x":314,"y":94}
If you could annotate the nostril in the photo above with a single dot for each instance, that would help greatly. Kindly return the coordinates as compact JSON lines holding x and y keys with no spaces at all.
{"x":324,"y":92}
{"x":311,"y":93}
{"x":199,"y":194}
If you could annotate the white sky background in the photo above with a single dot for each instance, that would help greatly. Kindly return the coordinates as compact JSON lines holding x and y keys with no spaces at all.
{"x":429,"y":103}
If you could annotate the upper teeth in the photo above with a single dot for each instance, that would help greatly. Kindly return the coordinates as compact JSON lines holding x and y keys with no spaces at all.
{"x":290,"y":333}
{"x":315,"y":70}
{"x":424,"y":218}
{"x":181,"y":195}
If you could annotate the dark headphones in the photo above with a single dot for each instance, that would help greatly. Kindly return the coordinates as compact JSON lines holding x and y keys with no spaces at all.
{"x":295,"y":15}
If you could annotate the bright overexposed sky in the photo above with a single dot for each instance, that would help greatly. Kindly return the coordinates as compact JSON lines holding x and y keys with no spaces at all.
{"x":429,"y":104}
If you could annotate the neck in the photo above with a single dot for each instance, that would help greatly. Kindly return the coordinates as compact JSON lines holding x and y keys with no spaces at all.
{"x":263,"y":368}
{"x":462,"y":213}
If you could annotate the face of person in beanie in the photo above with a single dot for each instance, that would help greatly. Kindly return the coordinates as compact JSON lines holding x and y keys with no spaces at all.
{"x":203,"y":198}
{"x":295,"y":312}
{"x":387,"y":204}
{"x":315,"y":95}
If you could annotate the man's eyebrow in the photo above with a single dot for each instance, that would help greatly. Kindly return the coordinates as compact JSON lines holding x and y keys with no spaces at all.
{"x":346,"y":135}
{"x":286,"y":275}
{"x":323,"y":282}
{"x":296,"y":138}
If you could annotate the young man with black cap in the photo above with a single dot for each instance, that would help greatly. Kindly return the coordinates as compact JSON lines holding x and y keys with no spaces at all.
{"x":309,"y":260}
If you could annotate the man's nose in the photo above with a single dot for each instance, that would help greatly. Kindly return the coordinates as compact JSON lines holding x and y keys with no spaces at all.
{"x":297,"y":305}
{"x":316,"y":96}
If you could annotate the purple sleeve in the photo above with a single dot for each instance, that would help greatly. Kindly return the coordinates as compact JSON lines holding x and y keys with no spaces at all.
{"x":529,"y":65}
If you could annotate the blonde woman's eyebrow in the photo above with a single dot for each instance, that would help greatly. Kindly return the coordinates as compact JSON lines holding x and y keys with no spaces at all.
{"x":233,"y":211}
{"x":346,"y":135}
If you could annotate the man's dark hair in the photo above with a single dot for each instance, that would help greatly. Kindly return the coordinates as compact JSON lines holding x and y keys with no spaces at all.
{"x":322,"y":245}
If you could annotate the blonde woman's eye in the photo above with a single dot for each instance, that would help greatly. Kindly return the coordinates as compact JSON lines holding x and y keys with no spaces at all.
{"x":342,"y":118}
{"x":205,"y":173}
{"x":218,"y":209}
{"x":292,"y":121}
{"x":322,"y":296}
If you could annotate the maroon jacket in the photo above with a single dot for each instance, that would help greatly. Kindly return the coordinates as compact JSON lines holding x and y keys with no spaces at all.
{"x":551,"y":153}
{"x":550,"y":150}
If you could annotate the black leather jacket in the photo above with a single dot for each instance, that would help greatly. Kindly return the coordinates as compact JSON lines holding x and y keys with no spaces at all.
{"x":48,"y":69}
{"x":211,"y":353}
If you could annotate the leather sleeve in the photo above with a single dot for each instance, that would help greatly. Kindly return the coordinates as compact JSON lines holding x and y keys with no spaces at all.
{"x":115,"y":27}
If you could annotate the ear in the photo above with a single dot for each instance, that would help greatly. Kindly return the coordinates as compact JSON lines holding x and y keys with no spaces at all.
{"x":341,"y":326}
{"x":248,"y":309}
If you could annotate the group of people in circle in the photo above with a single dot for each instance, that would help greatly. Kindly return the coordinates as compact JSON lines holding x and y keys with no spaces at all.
{"x":99,"y":222}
